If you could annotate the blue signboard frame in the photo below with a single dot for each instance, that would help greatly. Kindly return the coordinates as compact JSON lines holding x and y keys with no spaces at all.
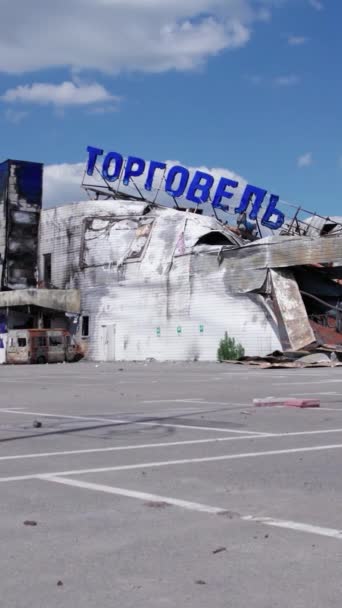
{"x":199,"y":188}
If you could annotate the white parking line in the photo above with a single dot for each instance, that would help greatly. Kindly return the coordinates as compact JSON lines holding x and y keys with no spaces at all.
{"x":14,"y":407}
{"x":195,"y":506}
{"x":166,"y":444}
{"x":121,"y":421}
{"x":192,"y":506}
{"x":294,"y":525}
{"x":166,"y":463}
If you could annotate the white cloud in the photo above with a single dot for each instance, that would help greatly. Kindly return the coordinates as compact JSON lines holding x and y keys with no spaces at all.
{"x":123,"y":35}
{"x":305,"y":160}
{"x":297,"y":40}
{"x":62,"y":184}
{"x":64,"y":94}
{"x":317,"y":4}
{"x":286,"y":81}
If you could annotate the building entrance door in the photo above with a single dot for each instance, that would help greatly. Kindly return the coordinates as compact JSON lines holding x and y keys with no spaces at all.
{"x":107,"y":342}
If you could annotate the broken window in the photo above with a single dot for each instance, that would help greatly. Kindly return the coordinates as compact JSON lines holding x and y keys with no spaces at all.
{"x":47,"y":268}
{"x":21,"y":342}
{"x":142,"y":234}
{"x":191,"y":210}
{"x":108,"y":241}
{"x":85,"y":326}
{"x":322,"y":296}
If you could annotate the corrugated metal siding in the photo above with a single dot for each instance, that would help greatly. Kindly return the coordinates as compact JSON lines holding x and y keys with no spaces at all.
{"x":283,"y":252}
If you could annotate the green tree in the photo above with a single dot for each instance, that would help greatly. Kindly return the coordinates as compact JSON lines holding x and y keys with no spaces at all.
{"x":229,"y":350}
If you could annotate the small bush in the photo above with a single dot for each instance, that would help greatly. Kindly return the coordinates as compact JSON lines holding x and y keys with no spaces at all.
{"x":229,"y":349}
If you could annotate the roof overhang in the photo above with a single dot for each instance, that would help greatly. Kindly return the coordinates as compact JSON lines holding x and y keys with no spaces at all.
{"x":65,"y":300}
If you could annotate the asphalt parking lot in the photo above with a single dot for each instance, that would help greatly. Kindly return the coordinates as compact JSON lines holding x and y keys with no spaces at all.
{"x":162,"y":485}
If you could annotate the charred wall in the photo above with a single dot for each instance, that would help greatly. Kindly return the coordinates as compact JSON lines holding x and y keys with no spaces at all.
{"x":20,"y":207}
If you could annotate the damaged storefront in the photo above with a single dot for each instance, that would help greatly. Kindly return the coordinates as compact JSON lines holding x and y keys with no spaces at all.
{"x":128,"y":278}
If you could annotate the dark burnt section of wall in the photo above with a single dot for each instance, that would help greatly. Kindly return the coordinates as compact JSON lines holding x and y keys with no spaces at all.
{"x":321,"y":289}
{"x":21,"y":188}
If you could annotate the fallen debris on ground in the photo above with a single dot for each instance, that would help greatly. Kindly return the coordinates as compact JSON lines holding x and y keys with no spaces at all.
{"x":324,"y":356}
{"x":286,"y":402}
{"x":219,"y":550}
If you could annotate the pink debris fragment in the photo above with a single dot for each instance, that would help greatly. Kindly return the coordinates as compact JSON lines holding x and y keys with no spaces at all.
{"x":301,"y":403}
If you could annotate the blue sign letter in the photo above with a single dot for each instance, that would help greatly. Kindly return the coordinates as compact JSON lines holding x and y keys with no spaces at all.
{"x":222,"y":193}
{"x":204,"y":189}
{"x":130,"y":172}
{"x":154,"y":165}
{"x":184,"y":178}
{"x":270,"y":211}
{"x":92,"y":158}
{"x":247,"y":197}
{"x":106,"y":165}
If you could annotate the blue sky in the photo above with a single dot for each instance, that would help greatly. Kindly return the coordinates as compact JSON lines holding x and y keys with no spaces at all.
{"x":251,"y":86}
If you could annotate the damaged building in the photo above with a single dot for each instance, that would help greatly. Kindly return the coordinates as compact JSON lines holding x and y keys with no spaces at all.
{"x":132,"y":280}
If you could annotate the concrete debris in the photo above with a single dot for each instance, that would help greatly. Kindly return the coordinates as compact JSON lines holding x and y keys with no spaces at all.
{"x":37,"y":424}
{"x":200,"y":582}
{"x":59,"y":583}
{"x":293,"y":360}
{"x":317,"y":358}
{"x":219,"y":550}
{"x":30,"y":522}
